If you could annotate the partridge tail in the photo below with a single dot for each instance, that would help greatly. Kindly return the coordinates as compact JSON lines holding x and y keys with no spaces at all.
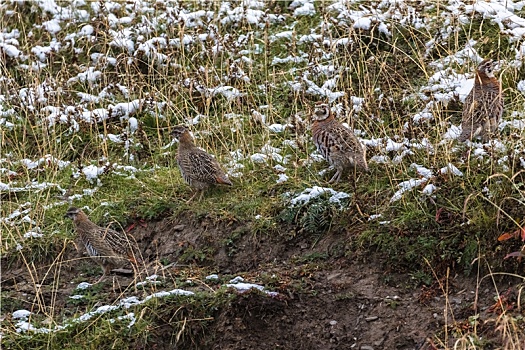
{"x":135,"y":259}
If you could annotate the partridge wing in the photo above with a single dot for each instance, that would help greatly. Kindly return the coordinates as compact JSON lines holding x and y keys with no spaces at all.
{"x":120,"y":243}
{"x":348,"y":142}
{"x":495,"y":104}
{"x":468,"y":109}
{"x":468,"y":118}
{"x":97,"y":246}
{"x":206,"y":169}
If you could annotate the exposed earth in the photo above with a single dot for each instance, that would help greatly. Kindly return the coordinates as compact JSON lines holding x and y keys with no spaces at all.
{"x":326,"y":300}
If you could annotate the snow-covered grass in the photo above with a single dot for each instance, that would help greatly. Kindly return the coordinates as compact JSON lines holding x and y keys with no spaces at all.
{"x":89,"y":92}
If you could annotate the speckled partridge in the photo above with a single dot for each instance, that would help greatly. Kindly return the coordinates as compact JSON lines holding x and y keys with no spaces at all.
{"x":338,"y":144}
{"x":107,"y":247}
{"x":483,"y":107}
{"x":199,"y":169}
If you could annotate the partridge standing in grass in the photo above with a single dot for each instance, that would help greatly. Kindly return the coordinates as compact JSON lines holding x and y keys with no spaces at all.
{"x":483,"y":106}
{"x":338,"y":144}
{"x":199,"y":169}
{"x":107,"y":247}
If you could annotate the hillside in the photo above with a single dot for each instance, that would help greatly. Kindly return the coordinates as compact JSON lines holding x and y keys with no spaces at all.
{"x":422,"y":252}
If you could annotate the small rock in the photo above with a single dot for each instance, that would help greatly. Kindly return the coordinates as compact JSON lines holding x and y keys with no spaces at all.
{"x":333,"y":323}
{"x":333,"y":276}
{"x":178,"y":227}
{"x":371,"y":318}
{"x":366,"y":347}
{"x":456,"y":300}
{"x":379,"y":342}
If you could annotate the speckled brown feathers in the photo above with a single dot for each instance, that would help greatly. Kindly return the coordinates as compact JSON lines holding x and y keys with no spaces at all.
{"x":107,"y":247}
{"x":338,"y":144}
{"x":483,"y":107}
{"x":199,"y":169}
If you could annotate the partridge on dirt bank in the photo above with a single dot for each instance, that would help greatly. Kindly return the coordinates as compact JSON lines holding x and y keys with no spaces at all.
{"x":199,"y":169}
{"x":338,"y":144}
{"x":107,"y":247}
{"x":483,"y":107}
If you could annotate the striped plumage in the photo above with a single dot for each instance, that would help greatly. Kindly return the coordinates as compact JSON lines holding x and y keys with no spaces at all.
{"x":107,"y":247}
{"x":483,"y":107}
{"x":338,"y":144}
{"x":199,"y":169}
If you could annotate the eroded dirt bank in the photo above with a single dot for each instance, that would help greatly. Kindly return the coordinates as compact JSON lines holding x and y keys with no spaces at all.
{"x":328,"y":298}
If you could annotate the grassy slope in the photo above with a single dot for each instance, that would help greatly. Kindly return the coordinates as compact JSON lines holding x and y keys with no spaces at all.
{"x":387,"y":70}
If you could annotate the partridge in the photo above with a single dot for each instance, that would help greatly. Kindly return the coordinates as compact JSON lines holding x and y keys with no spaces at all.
{"x":338,"y":144}
{"x":483,"y":107}
{"x":199,"y":169}
{"x":107,"y":247}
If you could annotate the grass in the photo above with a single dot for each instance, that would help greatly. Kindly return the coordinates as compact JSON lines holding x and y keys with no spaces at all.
{"x":138,"y":177}
{"x":184,"y":316}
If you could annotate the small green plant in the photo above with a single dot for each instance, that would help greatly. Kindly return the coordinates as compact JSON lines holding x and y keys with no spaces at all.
{"x":196,"y":255}
{"x":314,"y":217}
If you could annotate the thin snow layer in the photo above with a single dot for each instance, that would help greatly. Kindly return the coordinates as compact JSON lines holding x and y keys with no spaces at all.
{"x":374,"y":217}
{"x":32,"y":186}
{"x":451,"y":169}
{"x":282,"y":178}
{"x":150,"y":280}
{"x":21,"y":314}
{"x":277,"y":128}
{"x":303,"y":7}
{"x":35,"y":233}
{"x":125,"y":303}
{"x":429,"y":189}
{"x":92,"y":172}
{"x":452,"y":133}
{"x":405,"y":186}
{"x":380,"y":17}
{"x":316,"y":191}
{"x":501,"y":13}
{"x":239,"y":284}
{"x":83,"y":285}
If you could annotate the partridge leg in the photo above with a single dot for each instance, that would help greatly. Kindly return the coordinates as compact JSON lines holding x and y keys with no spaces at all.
{"x":336,"y":176}
{"x":193,"y":196}
{"x":107,"y":271}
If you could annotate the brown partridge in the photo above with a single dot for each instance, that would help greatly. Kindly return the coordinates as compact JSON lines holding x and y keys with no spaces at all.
{"x":483,"y":107}
{"x":338,"y":144}
{"x":107,"y":247}
{"x":199,"y":169}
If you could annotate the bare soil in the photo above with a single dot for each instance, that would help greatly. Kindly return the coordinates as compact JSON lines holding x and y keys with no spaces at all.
{"x":328,"y":298}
